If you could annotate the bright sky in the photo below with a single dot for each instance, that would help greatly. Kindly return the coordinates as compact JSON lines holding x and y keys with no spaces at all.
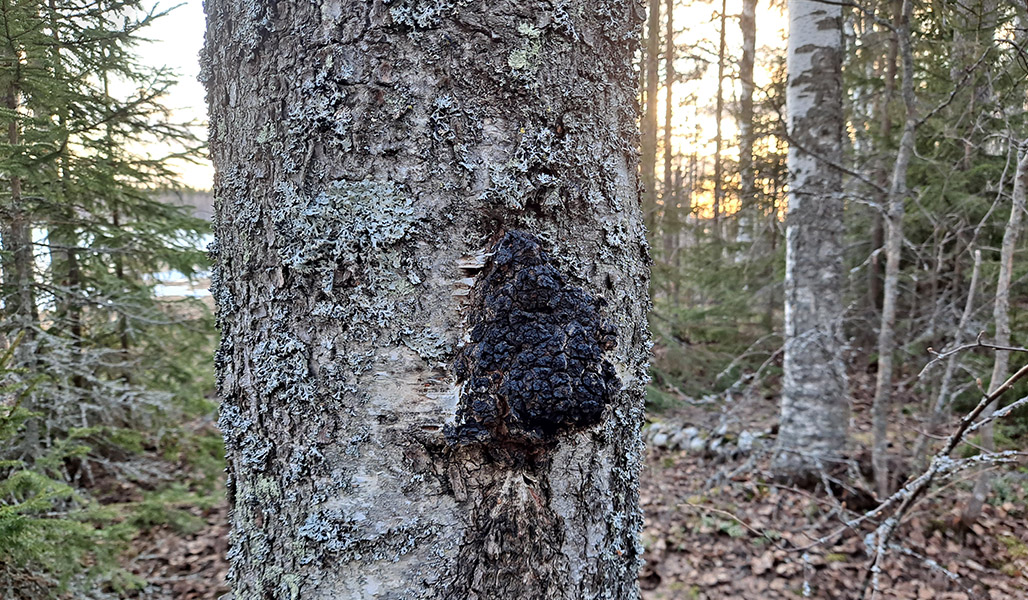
{"x":178,"y":39}
{"x":698,"y":26}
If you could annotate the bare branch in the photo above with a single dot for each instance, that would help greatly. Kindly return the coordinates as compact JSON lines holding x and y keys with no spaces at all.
{"x":978,"y":344}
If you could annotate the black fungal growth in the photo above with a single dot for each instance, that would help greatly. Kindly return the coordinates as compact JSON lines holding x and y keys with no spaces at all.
{"x":534,"y":366}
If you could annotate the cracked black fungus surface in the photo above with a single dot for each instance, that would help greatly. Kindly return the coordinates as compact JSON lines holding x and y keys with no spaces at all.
{"x":534,"y":366}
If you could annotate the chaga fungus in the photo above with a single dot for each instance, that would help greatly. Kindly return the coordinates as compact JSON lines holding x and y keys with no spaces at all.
{"x":534,"y":366}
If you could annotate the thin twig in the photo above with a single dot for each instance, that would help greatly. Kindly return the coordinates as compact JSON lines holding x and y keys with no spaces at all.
{"x":745,"y":525}
{"x":978,"y":343}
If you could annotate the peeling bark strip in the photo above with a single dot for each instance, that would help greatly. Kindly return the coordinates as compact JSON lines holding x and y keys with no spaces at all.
{"x":365,"y":150}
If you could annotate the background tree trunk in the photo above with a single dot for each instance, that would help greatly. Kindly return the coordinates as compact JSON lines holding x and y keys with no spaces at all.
{"x":815,"y":406}
{"x":397,"y":421}
{"x":747,"y":175}
{"x":719,"y":113}
{"x":920,"y":454}
{"x":19,"y":281}
{"x":670,"y":227}
{"x":648,"y":158}
{"x":893,"y":255}
{"x":1001,"y":315}
{"x":881,"y":166}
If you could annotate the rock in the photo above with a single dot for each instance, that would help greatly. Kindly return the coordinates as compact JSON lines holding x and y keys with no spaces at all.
{"x":660,"y":440}
{"x":747,"y":440}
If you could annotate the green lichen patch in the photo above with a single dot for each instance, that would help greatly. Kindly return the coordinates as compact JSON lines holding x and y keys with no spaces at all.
{"x":523,"y":61}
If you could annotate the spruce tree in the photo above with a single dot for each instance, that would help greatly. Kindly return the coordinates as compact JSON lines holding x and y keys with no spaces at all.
{"x":98,"y":356}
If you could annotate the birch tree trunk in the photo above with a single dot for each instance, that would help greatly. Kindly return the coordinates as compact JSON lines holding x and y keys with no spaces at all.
{"x":747,"y":175}
{"x":1001,"y":315}
{"x":815,"y":406}
{"x":432,"y":289}
{"x":893,"y":254}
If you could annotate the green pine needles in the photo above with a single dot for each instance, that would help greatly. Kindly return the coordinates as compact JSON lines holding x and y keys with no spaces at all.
{"x":98,"y":369}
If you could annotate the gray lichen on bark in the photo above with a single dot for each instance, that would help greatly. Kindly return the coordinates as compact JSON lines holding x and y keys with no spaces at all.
{"x":364,"y":150}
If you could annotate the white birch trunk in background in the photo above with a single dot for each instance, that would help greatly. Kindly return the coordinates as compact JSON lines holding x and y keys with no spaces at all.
{"x":815,"y":403}
{"x":431,"y":279}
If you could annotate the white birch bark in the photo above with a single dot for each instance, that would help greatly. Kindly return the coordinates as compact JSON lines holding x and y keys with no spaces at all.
{"x":815,"y":404}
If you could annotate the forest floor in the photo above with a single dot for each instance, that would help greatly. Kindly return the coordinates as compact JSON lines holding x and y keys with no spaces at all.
{"x":180,"y":565}
{"x":717,"y":526}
